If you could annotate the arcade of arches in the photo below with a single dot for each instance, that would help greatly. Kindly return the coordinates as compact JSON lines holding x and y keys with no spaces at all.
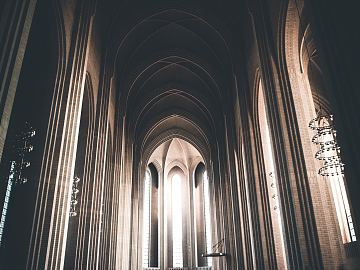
{"x":176,"y":135}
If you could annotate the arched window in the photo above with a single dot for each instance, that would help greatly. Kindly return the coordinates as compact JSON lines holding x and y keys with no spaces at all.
{"x":147,"y":219}
{"x":328,"y":153}
{"x":177,"y":221}
{"x":339,"y":194}
{"x":177,"y":202}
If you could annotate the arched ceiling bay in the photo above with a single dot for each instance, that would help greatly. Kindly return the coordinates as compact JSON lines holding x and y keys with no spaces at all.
{"x":171,"y":127}
{"x":175,"y":151}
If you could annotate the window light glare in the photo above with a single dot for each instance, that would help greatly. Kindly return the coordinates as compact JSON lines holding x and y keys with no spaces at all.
{"x":146,"y":219}
{"x":177,"y":221}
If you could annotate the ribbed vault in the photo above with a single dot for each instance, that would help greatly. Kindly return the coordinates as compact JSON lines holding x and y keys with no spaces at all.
{"x":176,"y":150}
{"x":173,"y":71}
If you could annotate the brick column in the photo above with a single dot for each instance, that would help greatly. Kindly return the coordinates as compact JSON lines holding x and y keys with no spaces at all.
{"x":15,"y":20}
{"x":257,"y":198}
{"x":122,"y":197}
{"x":300,"y":233}
{"x":96,"y":196}
{"x":49,"y":230}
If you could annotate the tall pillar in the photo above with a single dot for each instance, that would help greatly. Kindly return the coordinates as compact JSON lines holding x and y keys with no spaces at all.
{"x":51,"y":215}
{"x":263,"y":209}
{"x":264,"y":253}
{"x":117,"y":197}
{"x":95,"y":200}
{"x":239,"y":222}
{"x":246,"y":174}
{"x":218,"y":210}
{"x":122,"y":209}
{"x":15,"y":22}
{"x":162,"y":221}
{"x":94,"y":215}
{"x":192,"y":225}
{"x":300,"y":233}
{"x":154,"y":218}
{"x":76,"y":237}
{"x":199,"y":218}
{"x":105,"y":257}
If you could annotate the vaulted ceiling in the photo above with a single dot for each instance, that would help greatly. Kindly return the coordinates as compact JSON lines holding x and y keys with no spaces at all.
{"x":174,"y":70}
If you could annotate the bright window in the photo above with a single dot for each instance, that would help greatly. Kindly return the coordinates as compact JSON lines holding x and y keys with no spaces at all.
{"x":337,"y":184}
{"x":7,"y":198}
{"x":177,"y":221}
{"x":146,"y":218}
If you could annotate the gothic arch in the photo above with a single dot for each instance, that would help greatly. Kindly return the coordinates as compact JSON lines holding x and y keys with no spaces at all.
{"x":175,"y":133}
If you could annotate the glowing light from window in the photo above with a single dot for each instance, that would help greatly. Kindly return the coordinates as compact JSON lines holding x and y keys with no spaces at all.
{"x":342,"y":208}
{"x":177,"y":221}
{"x":333,"y":168}
{"x":341,"y":200}
{"x":146,"y":219}
{"x":207,"y":216}
{"x":7,"y":198}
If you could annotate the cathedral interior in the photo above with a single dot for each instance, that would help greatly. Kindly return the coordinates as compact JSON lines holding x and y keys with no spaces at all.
{"x":178,"y":134}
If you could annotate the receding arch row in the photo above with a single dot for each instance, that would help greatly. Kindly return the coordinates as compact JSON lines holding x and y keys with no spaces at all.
{"x":134,"y":70}
{"x":125,"y":35}
{"x":173,"y":102}
{"x":160,"y":63}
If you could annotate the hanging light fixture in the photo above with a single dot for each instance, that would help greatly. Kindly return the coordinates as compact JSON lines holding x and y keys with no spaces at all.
{"x":325,"y":136}
{"x":329,"y":151}
{"x":215,"y":250}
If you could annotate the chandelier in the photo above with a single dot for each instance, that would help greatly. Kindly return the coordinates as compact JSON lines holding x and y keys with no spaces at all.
{"x":329,"y":151}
